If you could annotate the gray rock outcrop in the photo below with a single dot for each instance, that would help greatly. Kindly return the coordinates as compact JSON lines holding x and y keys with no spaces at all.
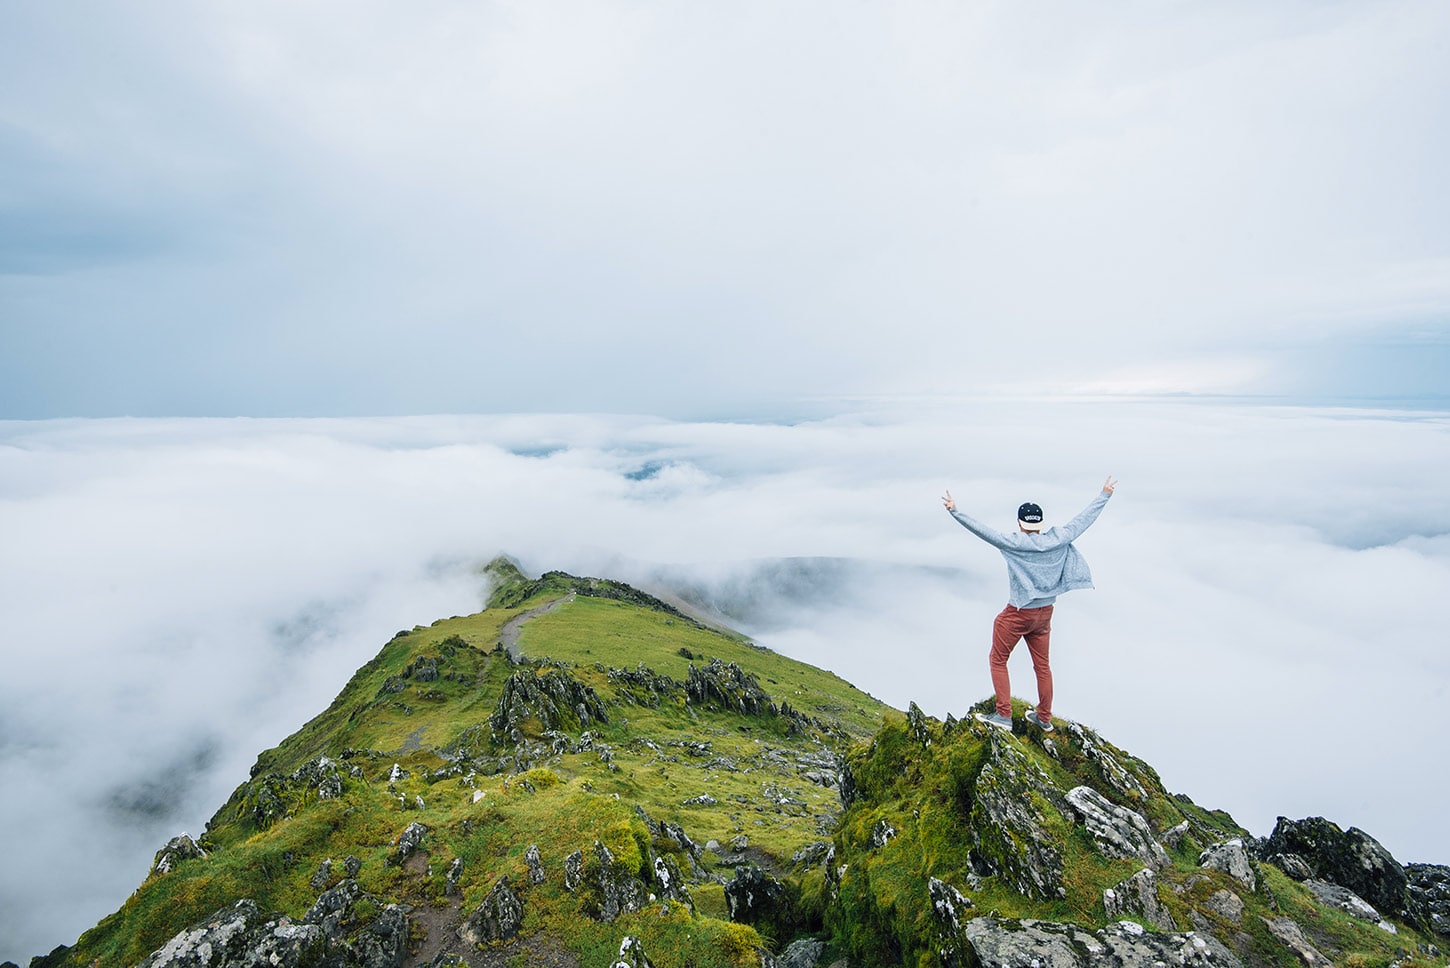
{"x":177,"y":849}
{"x":497,"y":918}
{"x":241,"y":935}
{"x":554,"y":699}
{"x":1292,"y":937}
{"x":1343,"y":899}
{"x":1429,"y":893}
{"x":1231,"y":858}
{"x":1350,"y":858}
{"x":1006,"y":943}
{"x":1137,"y":896}
{"x":1008,"y":834}
{"x":1120,"y":832}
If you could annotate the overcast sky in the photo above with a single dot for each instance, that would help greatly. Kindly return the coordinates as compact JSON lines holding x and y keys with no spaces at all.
{"x":280,"y":208}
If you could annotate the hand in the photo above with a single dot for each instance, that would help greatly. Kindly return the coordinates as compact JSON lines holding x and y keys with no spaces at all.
{"x":1109,"y":484}
{"x":948,"y":503}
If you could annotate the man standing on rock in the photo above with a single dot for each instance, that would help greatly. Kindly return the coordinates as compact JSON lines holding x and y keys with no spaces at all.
{"x":1040,"y":566}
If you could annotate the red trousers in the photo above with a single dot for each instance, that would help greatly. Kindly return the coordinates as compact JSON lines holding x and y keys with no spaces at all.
{"x":1011,"y":626}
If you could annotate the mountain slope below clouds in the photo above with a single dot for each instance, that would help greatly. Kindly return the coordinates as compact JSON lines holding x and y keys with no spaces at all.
{"x":583,"y":774}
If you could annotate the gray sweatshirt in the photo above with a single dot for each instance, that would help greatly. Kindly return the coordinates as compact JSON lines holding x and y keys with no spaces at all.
{"x":1041,"y":565}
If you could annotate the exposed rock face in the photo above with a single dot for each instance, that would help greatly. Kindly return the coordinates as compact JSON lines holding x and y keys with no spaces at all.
{"x":1004,"y":943}
{"x":631,"y":955}
{"x":619,"y":891}
{"x":1120,"y":832}
{"x":726,"y":686}
{"x":1429,"y":893}
{"x":754,"y":897}
{"x":241,"y":935}
{"x":1227,"y":905}
{"x":554,"y":699}
{"x":498,"y":918}
{"x":410,"y":840}
{"x":177,"y":849}
{"x":1108,"y":767}
{"x":1349,"y":902}
{"x":916,"y":724}
{"x":1008,"y":836}
{"x":1138,"y":896}
{"x":1350,"y":858}
{"x":1292,"y":936}
{"x":1231,"y":858}
{"x":805,"y":953}
{"x":949,"y":908}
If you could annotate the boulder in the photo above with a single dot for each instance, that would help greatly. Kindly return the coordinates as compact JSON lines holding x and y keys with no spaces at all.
{"x":536,"y":865}
{"x":726,"y":686}
{"x":1292,"y":937}
{"x":1138,"y":896}
{"x":1349,"y":902}
{"x":409,"y":841}
{"x":1120,"y":832}
{"x":1231,"y":858}
{"x":1227,"y":905}
{"x":1350,"y":858}
{"x":177,"y":849}
{"x":754,"y":897}
{"x":498,"y":918}
{"x":803,"y":953}
{"x":553,"y":699}
{"x":619,"y":891}
{"x":1429,"y":895}
{"x":1007,"y":943}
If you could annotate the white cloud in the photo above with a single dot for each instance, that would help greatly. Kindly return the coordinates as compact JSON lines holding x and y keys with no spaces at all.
{"x":182,"y":594}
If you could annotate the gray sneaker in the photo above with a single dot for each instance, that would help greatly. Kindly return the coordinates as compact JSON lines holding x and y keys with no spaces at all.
{"x":995,"y":719}
{"x":1044,"y":724}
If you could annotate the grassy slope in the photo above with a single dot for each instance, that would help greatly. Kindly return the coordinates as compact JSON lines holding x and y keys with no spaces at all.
{"x":925,"y":793}
{"x":268,"y":840}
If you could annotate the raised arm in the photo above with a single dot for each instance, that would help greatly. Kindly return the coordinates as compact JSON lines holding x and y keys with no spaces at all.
{"x":993,"y":537}
{"x":1089,"y":514}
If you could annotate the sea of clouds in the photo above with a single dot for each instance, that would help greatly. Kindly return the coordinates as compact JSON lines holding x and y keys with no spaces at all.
{"x":181,"y":594}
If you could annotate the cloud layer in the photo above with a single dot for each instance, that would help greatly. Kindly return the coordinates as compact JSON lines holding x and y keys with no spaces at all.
{"x":269,"y":209}
{"x":181,"y":594}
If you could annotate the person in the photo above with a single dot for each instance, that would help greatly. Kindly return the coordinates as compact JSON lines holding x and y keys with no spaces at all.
{"x":1040,"y":566}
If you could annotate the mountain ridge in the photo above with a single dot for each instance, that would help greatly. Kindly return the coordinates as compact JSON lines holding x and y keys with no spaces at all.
{"x":584,"y":773}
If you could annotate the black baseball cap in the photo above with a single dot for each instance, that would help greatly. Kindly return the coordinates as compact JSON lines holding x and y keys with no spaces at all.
{"x":1030,"y":516}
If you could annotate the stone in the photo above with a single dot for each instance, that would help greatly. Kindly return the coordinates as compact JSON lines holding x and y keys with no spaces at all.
{"x":1108,"y":767}
{"x":948,"y":907}
{"x":726,"y":686}
{"x":1350,"y":858}
{"x":1349,"y":902}
{"x":1429,"y":895}
{"x":1231,"y":858}
{"x":1138,"y":896}
{"x":1006,"y":943}
{"x":351,"y":866}
{"x":803,"y":953}
{"x":1120,"y":832}
{"x":536,"y":865}
{"x":916,"y":724}
{"x":754,"y":897}
{"x":619,"y":891}
{"x":177,"y":849}
{"x":322,"y":875}
{"x":409,"y":841}
{"x":1292,"y":937}
{"x":1227,"y":905}
{"x":1008,"y":835}
{"x":574,"y":870}
{"x":882,"y":833}
{"x":497,"y":918}
{"x":1292,"y":865}
{"x":632,"y":955}
{"x":241,"y":935}
{"x":451,"y":879}
{"x":1173,"y":836}
{"x":555,"y":699}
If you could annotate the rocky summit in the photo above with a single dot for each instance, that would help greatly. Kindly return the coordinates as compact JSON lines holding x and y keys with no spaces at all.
{"x":585,"y":775}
